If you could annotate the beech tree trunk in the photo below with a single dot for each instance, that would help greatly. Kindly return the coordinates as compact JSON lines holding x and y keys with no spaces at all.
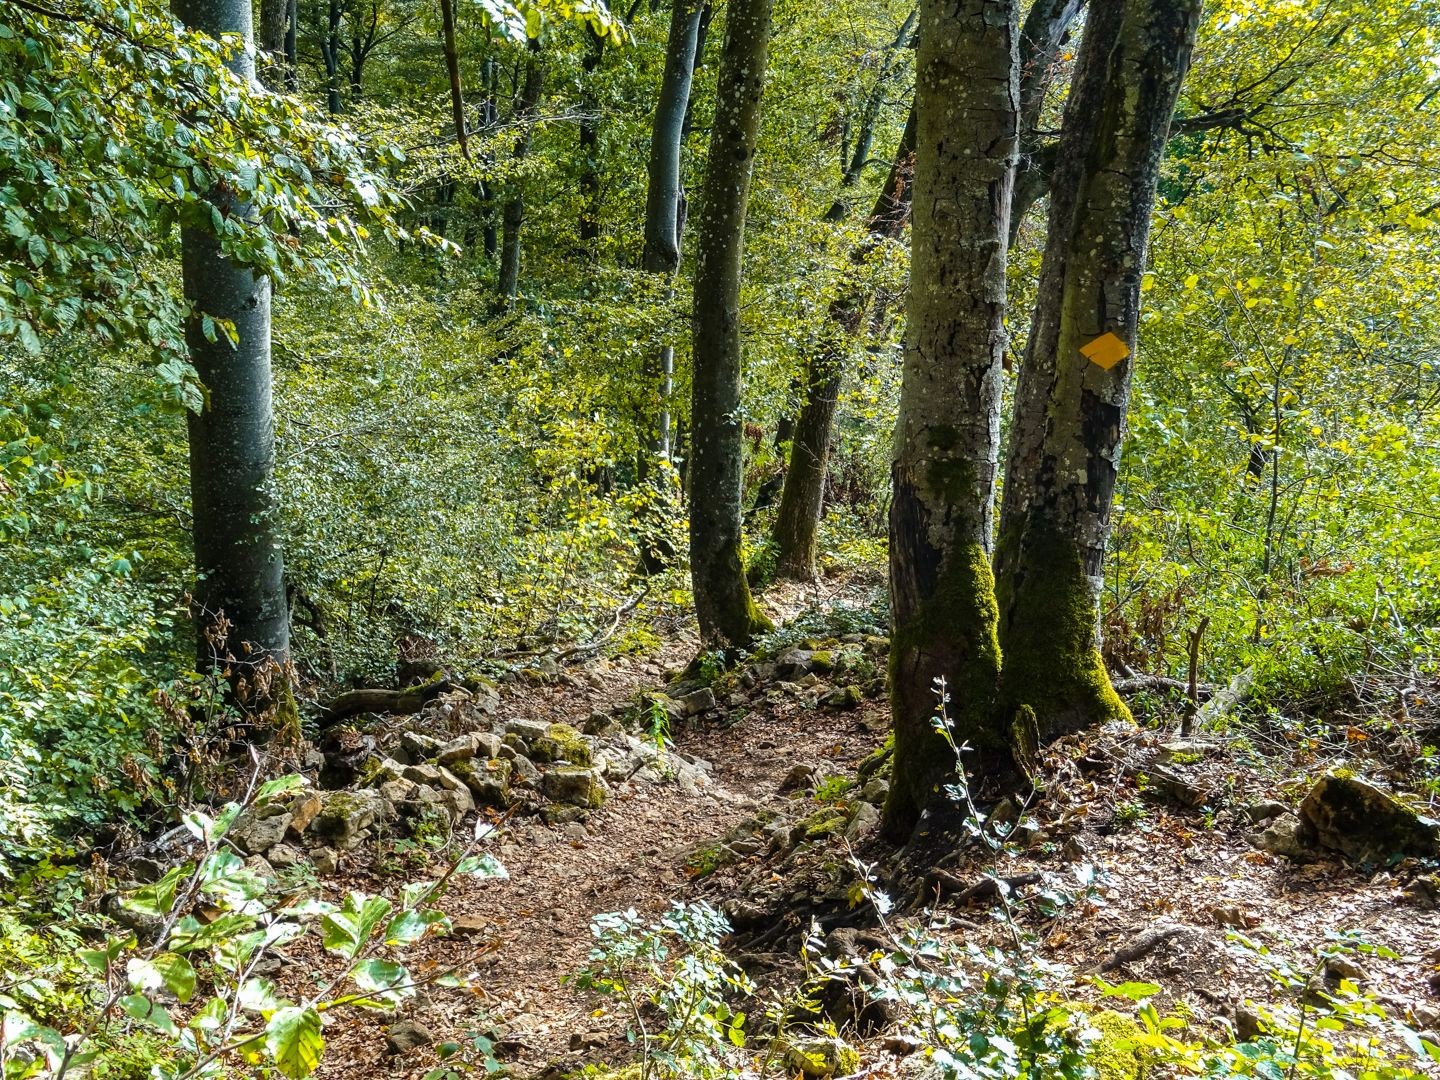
{"x":797,"y":522}
{"x":452,"y":69}
{"x":727,"y":613}
{"x":240,"y":594}
{"x":1070,"y":412}
{"x":665,"y":196}
{"x":513,"y":215}
{"x":942,"y":596}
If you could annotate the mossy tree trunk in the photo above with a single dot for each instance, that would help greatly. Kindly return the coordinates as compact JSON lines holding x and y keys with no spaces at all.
{"x":797,"y":521}
{"x":1070,"y":413}
{"x":727,"y":613}
{"x":242,"y":620}
{"x":942,"y":596}
{"x":665,"y":196}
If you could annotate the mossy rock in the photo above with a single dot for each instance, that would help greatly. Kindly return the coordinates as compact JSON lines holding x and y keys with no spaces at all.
{"x":561,"y":742}
{"x":877,"y":763}
{"x":573,"y":785}
{"x":820,"y":1057}
{"x":825,"y":822}
{"x":1112,"y":1055}
{"x":1364,"y":823}
{"x":823,"y":661}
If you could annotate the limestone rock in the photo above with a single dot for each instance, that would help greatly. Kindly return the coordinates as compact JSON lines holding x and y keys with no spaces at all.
{"x":418,"y":746}
{"x":1364,"y":823}
{"x":561,"y":742}
{"x":844,"y":697}
{"x":303,"y":810}
{"x":527,"y":730}
{"x":408,"y":1035}
{"x":600,"y":723}
{"x":346,"y":815}
{"x":326,"y":860}
{"x":698,"y":701}
{"x":865,"y":820}
{"x":488,"y":780}
{"x":461,"y":748}
{"x":821,"y":1057}
{"x":283,"y":856}
{"x":1286,"y":836}
{"x":257,"y":831}
{"x":573,"y":786}
{"x":794,"y":663}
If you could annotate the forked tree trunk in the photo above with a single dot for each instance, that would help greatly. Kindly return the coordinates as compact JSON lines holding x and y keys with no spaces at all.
{"x":665,"y":196}
{"x":1070,"y":412}
{"x":797,"y":521}
{"x":727,"y":613}
{"x":238,"y":559}
{"x":513,"y":216}
{"x":942,"y":596}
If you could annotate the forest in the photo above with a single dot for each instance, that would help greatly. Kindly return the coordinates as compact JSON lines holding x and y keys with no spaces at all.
{"x":719,"y":539}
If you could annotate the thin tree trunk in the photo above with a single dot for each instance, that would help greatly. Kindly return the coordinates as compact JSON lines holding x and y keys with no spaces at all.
{"x":330,"y":53}
{"x":665,"y":196}
{"x":727,"y":613}
{"x":292,"y":30}
{"x":797,"y":522}
{"x":240,"y":594}
{"x":271,"y":34}
{"x":1070,"y":412}
{"x":513,"y":216}
{"x":590,"y":191}
{"x":942,"y":597}
{"x":452,"y":69}
{"x":489,"y":117}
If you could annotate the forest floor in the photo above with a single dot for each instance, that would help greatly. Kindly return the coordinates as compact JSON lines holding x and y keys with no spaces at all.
{"x":1191,"y":874}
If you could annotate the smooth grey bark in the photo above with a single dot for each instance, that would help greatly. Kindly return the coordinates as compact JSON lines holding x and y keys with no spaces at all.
{"x":1070,"y":413}
{"x":240,"y":594}
{"x":513,"y":215}
{"x":797,"y":521}
{"x":665,"y":195}
{"x":947,"y":441}
{"x":727,"y":613}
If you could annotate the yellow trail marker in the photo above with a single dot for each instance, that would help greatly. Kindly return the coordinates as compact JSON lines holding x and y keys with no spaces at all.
{"x":1105,"y":351}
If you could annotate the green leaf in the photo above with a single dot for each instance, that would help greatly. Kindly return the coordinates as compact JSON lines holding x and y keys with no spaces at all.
{"x":146,"y":1011}
{"x":293,"y":1040}
{"x":482,"y":866}
{"x":178,"y":975}
{"x":410,"y":926}
{"x":375,"y":976}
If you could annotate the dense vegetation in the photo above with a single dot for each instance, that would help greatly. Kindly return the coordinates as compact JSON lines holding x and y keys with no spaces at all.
{"x":445,"y":233}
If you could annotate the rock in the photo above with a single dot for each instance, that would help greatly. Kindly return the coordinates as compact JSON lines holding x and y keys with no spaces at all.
{"x":563,"y":815}
{"x":283,"y":856}
{"x":257,"y":831}
{"x":408,"y":1035}
{"x":523,"y":771}
{"x":1248,"y":1027}
{"x":259,"y":865}
{"x":600,"y":723}
{"x":820,"y":1057}
{"x":1423,"y":892}
{"x":561,"y":742}
{"x":1285,"y":836}
{"x":876,"y":791}
{"x":487,"y":744}
{"x":588,"y":1040}
{"x":794,"y":663}
{"x":698,"y":701}
{"x":436,"y":776}
{"x":303,"y":810}
{"x":527,"y":730}
{"x":458,"y":801}
{"x":866,"y":818}
{"x":382,"y":770}
{"x":843,"y":697}
{"x":1184,"y":751}
{"x":458,"y":749}
{"x":1176,"y":789}
{"x":573,"y":786}
{"x":1264,"y":810}
{"x":799,"y":778}
{"x":397,"y":791}
{"x":1074,"y":850}
{"x":418,"y":746}
{"x":1364,"y":823}
{"x":1342,"y":967}
{"x":346,"y":815}
{"x":326,"y":860}
{"x":877,"y":643}
{"x":488,"y":780}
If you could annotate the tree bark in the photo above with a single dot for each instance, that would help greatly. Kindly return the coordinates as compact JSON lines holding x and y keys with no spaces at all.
{"x":665,"y":195}
{"x":727,"y":613}
{"x":942,"y":597}
{"x":590,"y":189}
{"x":239,"y":595}
{"x":274,"y":15}
{"x":1070,"y":413}
{"x":330,"y":53}
{"x":452,"y":69}
{"x":513,"y":215}
{"x":797,"y":522}
{"x":292,"y":56}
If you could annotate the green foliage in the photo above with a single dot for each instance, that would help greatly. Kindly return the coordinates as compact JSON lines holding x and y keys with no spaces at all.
{"x":676,"y":967}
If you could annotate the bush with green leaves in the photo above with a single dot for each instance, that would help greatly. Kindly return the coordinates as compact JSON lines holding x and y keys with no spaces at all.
{"x":675,"y":982}
{"x":183,"y":987}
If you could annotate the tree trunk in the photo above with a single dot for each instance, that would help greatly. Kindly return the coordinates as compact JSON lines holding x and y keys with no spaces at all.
{"x":665,"y":196}
{"x":590,"y":192}
{"x":240,"y":594}
{"x":330,"y":53}
{"x":452,"y":69}
{"x":942,"y":597}
{"x":292,"y":55}
{"x":1070,"y":412}
{"x":513,"y":215}
{"x":797,"y":522}
{"x":727,"y":613}
{"x":271,"y":31}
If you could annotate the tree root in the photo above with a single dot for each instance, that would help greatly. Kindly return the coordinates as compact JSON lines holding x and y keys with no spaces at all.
{"x":1142,"y":944}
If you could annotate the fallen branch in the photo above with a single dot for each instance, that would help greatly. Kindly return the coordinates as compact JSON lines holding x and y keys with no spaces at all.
{"x":985,"y":889}
{"x":620,"y":613}
{"x":1142,"y":944}
{"x":375,"y":700}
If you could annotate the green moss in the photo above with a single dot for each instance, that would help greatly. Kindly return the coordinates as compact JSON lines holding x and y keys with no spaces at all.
{"x":1052,"y":663}
{"x":561,"y":742}
{"x":877,"y":762}
{"x":827,"y":821}
{"x":953,"y":634}
{"x":1113,"y":1056}
{"x":824,"y":661}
